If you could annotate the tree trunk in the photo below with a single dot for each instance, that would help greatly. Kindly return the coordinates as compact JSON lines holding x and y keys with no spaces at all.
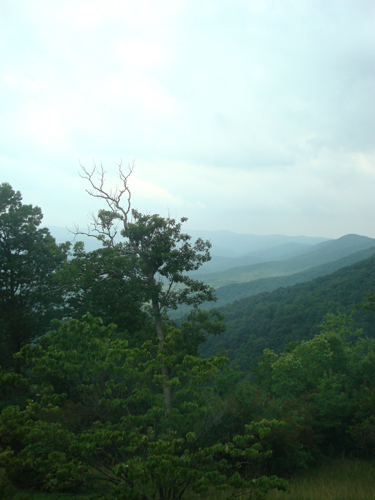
{"x":164,"y":369}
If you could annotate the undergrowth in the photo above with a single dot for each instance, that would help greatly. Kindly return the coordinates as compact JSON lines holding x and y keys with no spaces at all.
{"x":342,"y":479}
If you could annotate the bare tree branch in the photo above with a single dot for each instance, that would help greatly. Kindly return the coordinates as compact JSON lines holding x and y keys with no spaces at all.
{"x":118,"y":201}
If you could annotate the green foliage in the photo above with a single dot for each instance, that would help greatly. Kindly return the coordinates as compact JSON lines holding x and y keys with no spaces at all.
{"x":298,"y":371}
{"x":98,"y":420}
{"x":160,"y":256}
{"x":132,"y":412}
{"x":104,"y":283}
{"x":339,"y":479}
{"x":13,"y":388}
{"x":293,"y":314}
{"x":164,"y":250}
{"x":368,"y":305}
{"x":325,"y":384}
{"x":29,"y":257}
{"x":196,"y":329}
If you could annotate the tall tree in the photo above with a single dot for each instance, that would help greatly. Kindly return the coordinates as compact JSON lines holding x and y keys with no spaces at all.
{"x":100,"y":283}
{"x":29,"y":256}
{"x":160,"y":254}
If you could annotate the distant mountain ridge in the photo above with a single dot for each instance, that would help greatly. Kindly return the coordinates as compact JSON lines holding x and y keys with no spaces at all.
{"x":225,"y":244}
{"x":229,"y":244}
{"x":322,"y":253}
{"x":279,"y":252}
{"x":229,"y":293}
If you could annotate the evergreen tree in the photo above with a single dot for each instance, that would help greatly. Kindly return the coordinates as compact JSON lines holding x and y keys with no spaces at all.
{"x":97,"y":422}
{"x":29,"y":256}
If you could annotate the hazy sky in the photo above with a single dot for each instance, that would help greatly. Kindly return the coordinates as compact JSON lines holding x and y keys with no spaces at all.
{"x":254,"y":116}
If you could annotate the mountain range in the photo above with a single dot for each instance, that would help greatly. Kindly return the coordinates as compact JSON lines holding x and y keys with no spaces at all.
{"x":276,"y":289}
{"x":226,"y":245}
{"x":312,"y":256}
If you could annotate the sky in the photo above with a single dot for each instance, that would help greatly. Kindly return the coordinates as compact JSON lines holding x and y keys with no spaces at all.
{"x":253,"y":116}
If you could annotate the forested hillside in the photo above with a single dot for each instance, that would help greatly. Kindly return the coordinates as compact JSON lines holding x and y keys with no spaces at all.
{"x":319,"y":254}
{"x":272,"y":320}
{"x":230,"y":293}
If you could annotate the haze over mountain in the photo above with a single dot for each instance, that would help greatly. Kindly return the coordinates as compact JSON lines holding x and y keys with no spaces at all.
{"x":327,"y":251}
{"x":230,"y":293}
{"x":227,"y":246}
{"x":272,"y":261}
{"x":231,"y":244}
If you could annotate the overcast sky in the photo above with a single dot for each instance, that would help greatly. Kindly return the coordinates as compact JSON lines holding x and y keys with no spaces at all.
{"x":253,"y":116}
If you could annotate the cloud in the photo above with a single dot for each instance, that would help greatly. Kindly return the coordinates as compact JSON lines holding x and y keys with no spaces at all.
{"x":139,"y":54}
{"x":236,"y":112}
{"x":24,"y":84}
{"x":45,"y":126}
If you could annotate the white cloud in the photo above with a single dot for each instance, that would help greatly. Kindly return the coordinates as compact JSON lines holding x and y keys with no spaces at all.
{"x":21,"y":83}
{"x":46,"y":126}
{"x":151,"y":193}
{"x":366,"y":164}
{"x":253,"y":115}
{"x":139,"y":54}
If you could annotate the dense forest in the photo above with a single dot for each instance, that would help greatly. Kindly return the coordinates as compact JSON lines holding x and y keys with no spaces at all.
{"x":103,"y":393}
{"x":293,"y":314}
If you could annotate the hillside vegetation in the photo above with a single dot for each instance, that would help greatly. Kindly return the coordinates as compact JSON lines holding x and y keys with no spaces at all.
{"x":230,"y":293}
{"x":272,"y":320}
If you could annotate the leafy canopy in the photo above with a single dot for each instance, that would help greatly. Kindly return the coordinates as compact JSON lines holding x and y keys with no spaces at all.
{"x":29,"y":257}
{"x":98,"y":421}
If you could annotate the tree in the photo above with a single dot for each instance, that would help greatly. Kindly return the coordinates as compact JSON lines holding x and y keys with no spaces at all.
{"x":328,"y":381}
{"x":97,"y":421}
{"x":28,"y":258}
{"x":97,"y":283}
{"x":159,"y":254}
